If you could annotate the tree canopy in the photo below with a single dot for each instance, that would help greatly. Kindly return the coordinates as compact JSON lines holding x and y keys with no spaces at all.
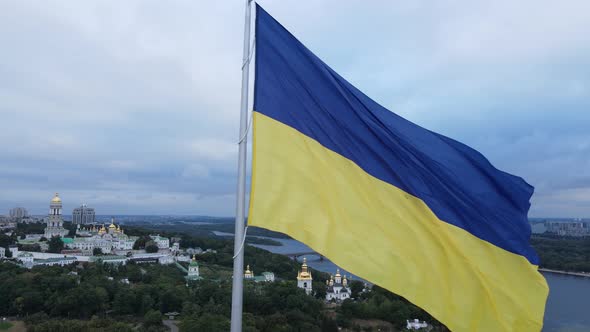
{"x":55,"y":244}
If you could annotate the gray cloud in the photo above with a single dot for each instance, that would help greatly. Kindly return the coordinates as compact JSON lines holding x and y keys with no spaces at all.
{"x":133,"y":106}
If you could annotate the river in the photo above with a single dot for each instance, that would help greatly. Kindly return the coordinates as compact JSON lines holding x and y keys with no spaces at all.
{"x":567,"y":306}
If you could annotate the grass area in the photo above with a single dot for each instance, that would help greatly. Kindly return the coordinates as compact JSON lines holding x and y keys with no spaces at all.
{"x":5,"y":326}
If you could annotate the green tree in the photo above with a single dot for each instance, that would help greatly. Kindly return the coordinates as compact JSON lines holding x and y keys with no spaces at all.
{"x":140,"y":243}
{"x":147,"y":304}
{"x":356,"y":287}
{"x":124,"y":302}
{"x":319,"y":288}
{"x":152,"y":318}
{"x":151,"y":247}
{"x":5,"y":240}
{"x":97,"y":251}
{"x":329,"y":325}
{"x":206,"y":322}
{"x":56,"y":245}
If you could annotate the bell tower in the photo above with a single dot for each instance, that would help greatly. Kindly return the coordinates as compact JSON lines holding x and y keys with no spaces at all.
{"x":54,"y":221}
{"x":304,"y":278}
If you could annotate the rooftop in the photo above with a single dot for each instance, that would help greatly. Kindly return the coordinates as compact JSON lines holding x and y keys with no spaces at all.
{"x":107,"y":257}
{"x":55,"y":259}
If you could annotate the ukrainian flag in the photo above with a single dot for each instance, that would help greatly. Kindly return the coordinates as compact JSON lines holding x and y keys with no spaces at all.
{"x":408,"y":209}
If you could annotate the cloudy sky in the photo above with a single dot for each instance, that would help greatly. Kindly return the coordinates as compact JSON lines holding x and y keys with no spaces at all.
{"x":133,"y":106}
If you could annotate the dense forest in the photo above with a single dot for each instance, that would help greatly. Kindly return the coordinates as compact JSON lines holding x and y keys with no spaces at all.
{"x":566,"y":254}
{"x":102,"y":297}
{"x":95,"y":297}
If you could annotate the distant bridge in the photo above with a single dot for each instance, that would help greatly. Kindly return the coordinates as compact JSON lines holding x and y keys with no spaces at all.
{"x":296,"y":255}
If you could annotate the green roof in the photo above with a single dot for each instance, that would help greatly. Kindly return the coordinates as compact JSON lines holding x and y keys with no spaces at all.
{"x":67,"y":240}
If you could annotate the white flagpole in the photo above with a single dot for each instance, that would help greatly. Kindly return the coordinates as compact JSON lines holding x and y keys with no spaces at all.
{"x":238,"y":275}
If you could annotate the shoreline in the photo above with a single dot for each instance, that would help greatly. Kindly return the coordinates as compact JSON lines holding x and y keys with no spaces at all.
{"x":577,"y":274}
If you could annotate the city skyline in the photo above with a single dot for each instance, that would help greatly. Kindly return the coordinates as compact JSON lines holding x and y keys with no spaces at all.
{"x":134,"y":109}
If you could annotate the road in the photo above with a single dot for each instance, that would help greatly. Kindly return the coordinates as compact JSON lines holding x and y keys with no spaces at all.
{"x":171,"y":325}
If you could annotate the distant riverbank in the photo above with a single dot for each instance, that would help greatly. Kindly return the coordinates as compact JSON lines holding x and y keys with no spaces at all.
{"x":251,"y":239}
{"x":578,"y":274}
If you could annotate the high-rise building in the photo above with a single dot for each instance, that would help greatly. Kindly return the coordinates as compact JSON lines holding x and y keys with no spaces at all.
{"x":83,"y":215}
{"x":55,"y":224}
{"x":18,"y":213}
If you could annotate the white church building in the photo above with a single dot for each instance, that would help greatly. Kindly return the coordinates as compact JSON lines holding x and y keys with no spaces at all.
{"x":106,"y":238}
{"x":337,"y":288}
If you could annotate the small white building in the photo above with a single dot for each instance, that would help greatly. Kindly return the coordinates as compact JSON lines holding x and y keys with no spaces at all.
{"x":194,"y":251}
{"x":268,"y":276}
{"x":161,"y":242}
{"x":60,"y":261}
{"x":13,"y":248}
{"x":175,"y":247}
{"x":109,"y":259}
{"x":416,"y":325}
{"x":26,"y":259}
{"x":165,"y":260}
{"x":2,"y":252}
{"x":182,"y":258}
{"x":263,"y":277}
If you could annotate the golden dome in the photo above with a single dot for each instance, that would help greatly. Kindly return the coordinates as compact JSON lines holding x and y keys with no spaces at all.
{"x":304,"y":274}
{"x":56,"y":199}
{"x":337,"y":272}
{"x":248,"y":273}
